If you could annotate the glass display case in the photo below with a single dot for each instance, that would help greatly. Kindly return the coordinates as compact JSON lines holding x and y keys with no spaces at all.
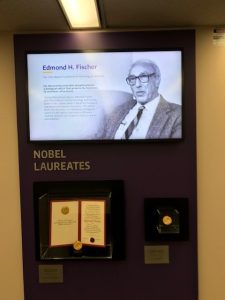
{"x":79,"y":220}
{"x":166,"y":219}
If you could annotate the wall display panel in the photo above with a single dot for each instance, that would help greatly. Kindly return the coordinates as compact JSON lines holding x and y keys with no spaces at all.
{"x":158,"y":163}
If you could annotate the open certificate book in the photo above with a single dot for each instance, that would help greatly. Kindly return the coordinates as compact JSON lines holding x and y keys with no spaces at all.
{"x":77,"y":221}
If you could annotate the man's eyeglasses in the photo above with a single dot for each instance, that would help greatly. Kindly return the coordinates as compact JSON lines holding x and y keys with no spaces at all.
{"x":144,"y":78}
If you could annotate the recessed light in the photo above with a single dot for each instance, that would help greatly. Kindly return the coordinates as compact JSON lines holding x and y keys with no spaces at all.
{"x":81,"y":13}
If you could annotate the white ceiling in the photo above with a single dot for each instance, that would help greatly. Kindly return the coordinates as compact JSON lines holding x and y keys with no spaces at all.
{"x":45,"y":15}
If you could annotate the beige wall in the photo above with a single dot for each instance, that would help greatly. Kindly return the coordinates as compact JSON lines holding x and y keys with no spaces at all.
{"x":210,"y":71}
{"x":11,"y":282}
{"x":211,"y":165}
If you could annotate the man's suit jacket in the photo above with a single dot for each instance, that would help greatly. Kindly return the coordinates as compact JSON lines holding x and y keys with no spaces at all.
{"x":166,"y":122}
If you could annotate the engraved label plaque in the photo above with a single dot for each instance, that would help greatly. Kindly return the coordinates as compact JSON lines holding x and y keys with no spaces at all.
{"x":156,"y":254}
{"x":50,"y":273}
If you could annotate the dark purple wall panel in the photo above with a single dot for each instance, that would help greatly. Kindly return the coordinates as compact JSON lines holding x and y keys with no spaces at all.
{"x":147,"y":169}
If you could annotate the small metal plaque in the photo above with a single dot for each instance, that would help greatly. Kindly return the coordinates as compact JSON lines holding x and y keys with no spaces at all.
{"x":156,"y":254}
{"x":50,"y":273}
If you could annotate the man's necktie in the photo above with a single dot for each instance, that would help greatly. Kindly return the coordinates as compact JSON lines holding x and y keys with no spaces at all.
{"x":134,"y":123}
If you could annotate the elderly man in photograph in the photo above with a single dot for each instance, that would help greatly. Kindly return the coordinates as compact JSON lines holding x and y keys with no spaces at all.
{"x":148,"y":115}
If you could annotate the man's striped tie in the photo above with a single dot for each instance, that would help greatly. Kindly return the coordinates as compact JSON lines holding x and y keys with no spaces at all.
{"x":134,"y":123}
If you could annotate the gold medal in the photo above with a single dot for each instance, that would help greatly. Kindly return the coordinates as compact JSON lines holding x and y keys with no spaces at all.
{"x":77,"y":245}
{"x":65,"y":210}
{"x":167,"y":220}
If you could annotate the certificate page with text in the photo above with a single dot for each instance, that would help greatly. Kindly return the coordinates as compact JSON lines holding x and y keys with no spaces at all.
{"x":93,"y":223}
{"x":64,"y":223}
